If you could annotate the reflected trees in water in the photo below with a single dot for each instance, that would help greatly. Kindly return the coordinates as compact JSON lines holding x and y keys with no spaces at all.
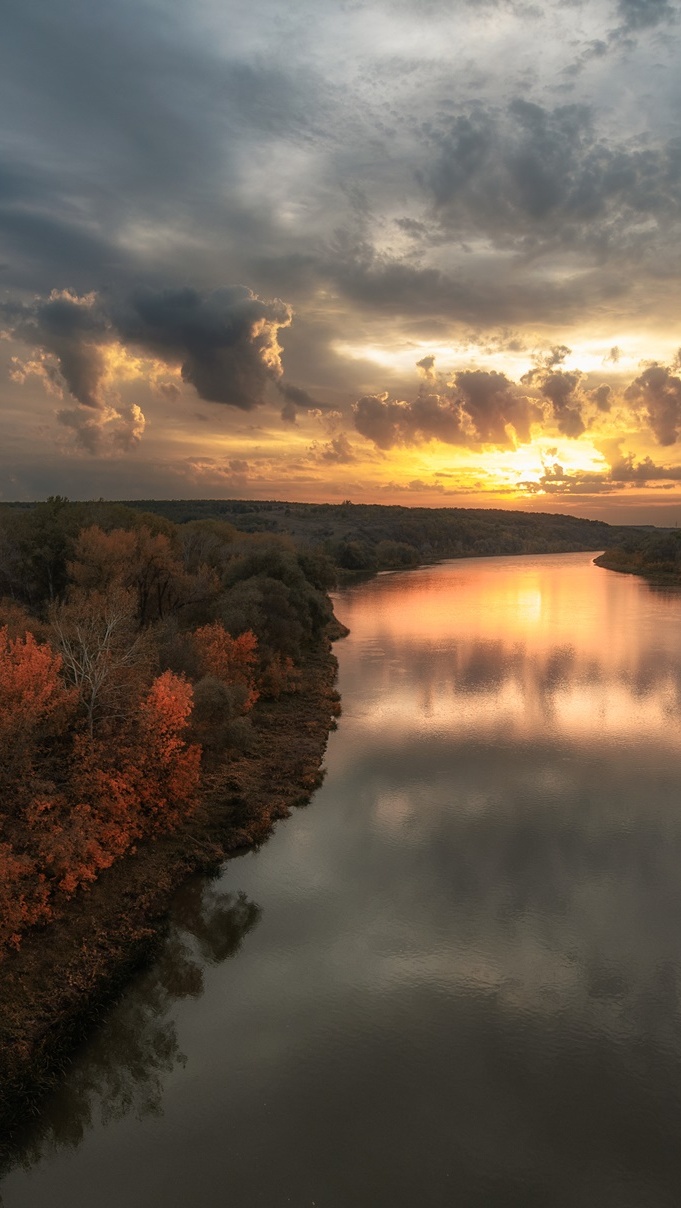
{"x":124,"y":1068}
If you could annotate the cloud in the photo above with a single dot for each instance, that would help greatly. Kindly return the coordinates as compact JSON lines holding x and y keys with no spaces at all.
{"x":337,"y":451}
{"x":109,"y":430}
{"x":601,"y":396}
{"x":561,"y":388}
{"x":624,"y":471}
{"x":535,"y":179}
{"x":225,"y":341}
{"x":389,"y":422}
{"x":396,"y":205}
{"x":645,"y":14}
{"x":414,"y":486}
{"x":480,"y":407}
{"x":426,"y":366}
{"x":627,"y":470}
{"x":492,"y":404}
{"x":73,"y":330}
{"x":295,"y":398}
{"x":659,"y":390}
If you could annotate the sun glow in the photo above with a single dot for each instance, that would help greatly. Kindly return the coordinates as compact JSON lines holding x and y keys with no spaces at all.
{"x":502,"y":468}
{"x":529,"y":463}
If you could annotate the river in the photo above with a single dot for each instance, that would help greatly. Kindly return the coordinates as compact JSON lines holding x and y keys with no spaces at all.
{"x":454,"y":978}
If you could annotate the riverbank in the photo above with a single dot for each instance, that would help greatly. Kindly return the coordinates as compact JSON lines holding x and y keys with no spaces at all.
{"x":63,"y":977}
{"x":618,"y":560}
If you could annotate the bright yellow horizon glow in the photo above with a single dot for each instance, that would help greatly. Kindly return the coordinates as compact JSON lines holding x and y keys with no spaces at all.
{"x":592,"y":354}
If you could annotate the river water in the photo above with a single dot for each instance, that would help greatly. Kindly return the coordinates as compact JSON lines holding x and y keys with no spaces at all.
{"x":454,"y":978}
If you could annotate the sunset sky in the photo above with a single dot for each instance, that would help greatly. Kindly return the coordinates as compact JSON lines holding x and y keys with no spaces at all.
{"x":409,"y":251}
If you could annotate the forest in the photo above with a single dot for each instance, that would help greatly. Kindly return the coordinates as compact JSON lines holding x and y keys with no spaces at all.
{"x":133,"y":653}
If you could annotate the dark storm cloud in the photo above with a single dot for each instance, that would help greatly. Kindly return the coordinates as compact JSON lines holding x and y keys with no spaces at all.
{"x":411,"y":188}
{"x":142,"y":143}
{"x":659,"y":390}
{"x":127,"y":121}
{"x":386,"y":285}
{"x":224,"y":341}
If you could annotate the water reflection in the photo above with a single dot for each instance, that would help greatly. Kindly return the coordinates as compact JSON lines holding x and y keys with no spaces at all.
{"x":509,"y":649}
{"x":123,"y":1069}
{"x":466,"y":987}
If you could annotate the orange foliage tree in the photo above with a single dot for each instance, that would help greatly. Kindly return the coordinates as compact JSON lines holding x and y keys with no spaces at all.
{"x":170,"y":768}
{"x":149,"y":782}
{"x":73,"y":843}
{"x":279,"y":676}
{"x":32,"y":691}
{"x":232,"y":660}
{"x":34,"y":699}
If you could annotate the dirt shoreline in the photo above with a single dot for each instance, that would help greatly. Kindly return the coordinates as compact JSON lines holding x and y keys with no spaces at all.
{"x":65,"y":975}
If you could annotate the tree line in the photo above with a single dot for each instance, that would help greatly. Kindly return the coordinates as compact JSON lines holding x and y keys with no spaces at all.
{"x":363,"y":538}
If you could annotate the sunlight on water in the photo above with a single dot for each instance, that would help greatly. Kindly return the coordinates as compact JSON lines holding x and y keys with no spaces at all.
{"x":505,"y":648}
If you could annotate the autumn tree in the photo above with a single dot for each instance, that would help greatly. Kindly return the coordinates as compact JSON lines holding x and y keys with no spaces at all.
{"x":34,"y":700}
{"x":72,"y":842}
{"x":232,"y":660}
{"x":144,"y":562}
{"x":148,"y":780}
{"x":170,"y":768}
{"x":102,"y":559}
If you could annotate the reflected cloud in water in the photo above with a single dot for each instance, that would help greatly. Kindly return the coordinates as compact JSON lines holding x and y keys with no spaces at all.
{"x":509,"y":648}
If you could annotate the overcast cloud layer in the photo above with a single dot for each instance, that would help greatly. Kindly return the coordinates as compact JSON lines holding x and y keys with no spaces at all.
{"x":406,"y":249}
